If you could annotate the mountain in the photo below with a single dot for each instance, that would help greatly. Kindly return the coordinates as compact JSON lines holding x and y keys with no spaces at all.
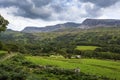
{"x":88,"y":23}
{"x":31,"y":29}
{"x":101,"y":23}
{"x":10,"y":30}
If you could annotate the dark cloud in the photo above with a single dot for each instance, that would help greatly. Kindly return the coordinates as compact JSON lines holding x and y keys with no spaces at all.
{"x":92,"y":11}
{"x":45,"y":9}
{"x":39,"y":3}
{"x":8,"y":3}
{"x":95,"y":11}
{"x":28,"y":8}
{"x":101,"y":3}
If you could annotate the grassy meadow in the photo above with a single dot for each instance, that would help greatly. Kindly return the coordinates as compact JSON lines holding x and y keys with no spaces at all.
{"x":2,"y":53}
{"x":107,"y":68}
{"x":86,"y":47}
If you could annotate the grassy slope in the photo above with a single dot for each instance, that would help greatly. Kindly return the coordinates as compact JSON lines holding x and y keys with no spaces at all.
{"x":106,"y":68}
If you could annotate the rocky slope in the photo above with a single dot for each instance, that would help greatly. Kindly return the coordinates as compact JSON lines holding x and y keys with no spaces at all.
{"x":88,"y":23}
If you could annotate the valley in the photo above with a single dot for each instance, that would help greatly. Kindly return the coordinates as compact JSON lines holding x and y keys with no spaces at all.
{"x":69,"y":51}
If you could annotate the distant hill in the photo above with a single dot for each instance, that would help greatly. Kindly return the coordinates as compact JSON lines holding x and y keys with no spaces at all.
{"x":51,"y":28}
{"x":100,"y":23}
{"x":10,"y":30}
{"x":88,"y":23}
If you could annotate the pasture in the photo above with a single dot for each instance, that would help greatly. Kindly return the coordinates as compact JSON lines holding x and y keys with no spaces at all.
{"x":106,"y":68}
{"x":83,"y":48}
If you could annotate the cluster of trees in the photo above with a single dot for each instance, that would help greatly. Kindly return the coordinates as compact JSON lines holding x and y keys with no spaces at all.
{"x":99,"y":55}
{"x":113,"y":48}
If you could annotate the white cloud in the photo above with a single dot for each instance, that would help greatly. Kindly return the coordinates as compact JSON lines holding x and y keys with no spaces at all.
{"x":74,"y":11}
{"x":112,"y":12}
{"x":54,"y":12}
{"x":19,"y":23}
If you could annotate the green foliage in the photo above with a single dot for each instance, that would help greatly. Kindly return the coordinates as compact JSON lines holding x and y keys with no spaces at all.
{"x":3,"y":24}
{"x":13,"y":69}
{"x":1,"y":45}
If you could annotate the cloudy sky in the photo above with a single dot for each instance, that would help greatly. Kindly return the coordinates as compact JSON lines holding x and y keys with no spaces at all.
{"x":22,"y":13}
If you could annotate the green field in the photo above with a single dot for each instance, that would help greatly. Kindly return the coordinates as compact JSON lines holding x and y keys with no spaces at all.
{"x":97,"y":67}
{"x":86,"y":47}
{"x":2,"y":53}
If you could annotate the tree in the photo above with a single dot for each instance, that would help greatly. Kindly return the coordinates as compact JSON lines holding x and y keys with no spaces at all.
{"x":1,"y":45}
{"x":3,"y":24}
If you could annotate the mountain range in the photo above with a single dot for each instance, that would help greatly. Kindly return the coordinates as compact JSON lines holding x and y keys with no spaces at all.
{"x":88,"y":23}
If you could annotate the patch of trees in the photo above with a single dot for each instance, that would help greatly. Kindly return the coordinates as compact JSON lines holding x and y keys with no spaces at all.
{"x":13,"y":69}
{"x":97,"y":54}
{"x":63,"y":74}
{"x":1,"y":45}
{"x":113,"y":48}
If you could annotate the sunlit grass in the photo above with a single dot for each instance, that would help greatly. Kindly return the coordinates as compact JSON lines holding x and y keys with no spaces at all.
{"x":86,"y":47}
{"x":2,"y":53}
{"x":98,"y":67}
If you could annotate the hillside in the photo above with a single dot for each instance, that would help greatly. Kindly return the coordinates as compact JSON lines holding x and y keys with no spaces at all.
{"x":67,"y":40}
{"x":101,"y":23}
{"x":52,"y":55}
{"x":88,"y":23}
{"x":31,"y":29}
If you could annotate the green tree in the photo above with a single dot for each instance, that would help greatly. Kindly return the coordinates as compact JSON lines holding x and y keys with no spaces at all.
{"x":3,"y":24}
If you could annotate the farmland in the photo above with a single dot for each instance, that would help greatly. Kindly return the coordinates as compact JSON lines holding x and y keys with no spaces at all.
{"x":107,"y":68}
